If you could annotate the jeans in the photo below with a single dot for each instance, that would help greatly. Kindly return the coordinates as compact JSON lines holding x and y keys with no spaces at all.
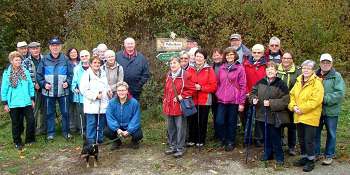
{"x":95,"y":127}
{"x":273,"y":143}
{"x":214,"y":109}
{"x":39,"y":112}
{"x":17,"y":119}
{"x":226,"y":122}
{"x":135,"y":137}
{"x":331,"y":127}
{"x":198,"y":125}
{"x":306,"y":136}
{"x":292,"y":132}
{"x":177,"y":132}
{"x":51,"y":111}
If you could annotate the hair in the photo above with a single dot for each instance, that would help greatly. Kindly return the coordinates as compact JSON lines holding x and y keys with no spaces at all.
{"x":122,"y":83}
{"x":275,"y":39}
{"x":182,"y":53}
{"x":259,"y":47}
{"x":109,"y":52}
{"x":272,"y":64}
{"x":230,"y":50}
{"x":218,"y":50}
{"x":70,"y":50}
{"x":176,"y":58}
{"x":84,"y":52}
{"x":129,"y":39}
{"x":102,"y":47}
{"x":95,"y":58}
{"x":310,"y":63}
{"x":14,"y":54}
{"x":203,"y":52}
{"x":290,"y":53}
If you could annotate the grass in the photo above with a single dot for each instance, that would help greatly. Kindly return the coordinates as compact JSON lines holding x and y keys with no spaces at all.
{"x":154,"y":128}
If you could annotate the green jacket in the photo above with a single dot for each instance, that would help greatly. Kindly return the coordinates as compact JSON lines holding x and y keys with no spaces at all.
{"x":289,"y":76}
{"x":334,"y":92}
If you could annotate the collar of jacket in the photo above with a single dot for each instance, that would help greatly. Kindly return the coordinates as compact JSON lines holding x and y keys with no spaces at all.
{"x":180,"y":74}
{"x":311,"y":80}
{"x":282,"y":71}
{"x":111,"y":67}
{"x":206,"y":65}
{"x":330,"y":74}
{"x":130,"y":56}
{"x":261,"y":61}
{"x":128,"y":98}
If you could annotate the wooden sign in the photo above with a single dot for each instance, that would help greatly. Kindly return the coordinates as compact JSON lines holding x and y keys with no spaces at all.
{"x":168,"y":44}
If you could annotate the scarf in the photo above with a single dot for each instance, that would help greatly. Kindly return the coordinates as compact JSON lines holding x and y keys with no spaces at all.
{"x":15,"y":75}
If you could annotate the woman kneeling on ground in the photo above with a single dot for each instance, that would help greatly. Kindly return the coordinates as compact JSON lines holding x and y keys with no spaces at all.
{"x":271,"y":97}
{"x":17,"y":94}
{"x":178,"y":85}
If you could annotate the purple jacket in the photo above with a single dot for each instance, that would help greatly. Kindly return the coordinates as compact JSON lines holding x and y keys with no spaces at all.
{"x":231,"y":84}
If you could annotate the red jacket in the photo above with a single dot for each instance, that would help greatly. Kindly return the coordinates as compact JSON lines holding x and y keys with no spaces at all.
{"x":254,"y":71}
{"x":184,"y":87}
{"x":206,"y":78}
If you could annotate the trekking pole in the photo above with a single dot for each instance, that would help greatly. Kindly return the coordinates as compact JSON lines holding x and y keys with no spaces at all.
{"x":198,"y":123}
{"x":80,"y":116}
{"x":265,"y":130}
{"x":249,"y":130}
{"x":98,"y":119}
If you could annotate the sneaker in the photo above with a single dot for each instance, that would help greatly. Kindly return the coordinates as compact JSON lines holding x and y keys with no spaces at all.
{"x":116,"y":145}
{"x":327,"y":161}
{"x":169,"y":151}
{"x":199,"y":144}
{"x":68,"y":136}
{"x":300,"y":162}
{"x":309,"y":166}
{"x":178,"y":154}
{"x":19,"y":147}
{"x":291,"y":152}
{"x":190,"y":144}
{"x":50,"y":138}
{"x":135,"y":145}
{"x":229,"y":147}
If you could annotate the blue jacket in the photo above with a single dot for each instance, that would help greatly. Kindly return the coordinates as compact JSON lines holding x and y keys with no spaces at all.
{"x":78,"y":73}
{"x":20,"y":96}
{"x":56,"y":72}
{"x":125,"y":116}
{"x":136,"y":70}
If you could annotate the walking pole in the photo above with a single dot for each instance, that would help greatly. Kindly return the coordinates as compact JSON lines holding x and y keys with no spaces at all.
{"x":249,"y":131}
{"x":265,"y":132}
{"x":98,"y":119}
{"x":198,"y":123}
{"x":81,"y":118}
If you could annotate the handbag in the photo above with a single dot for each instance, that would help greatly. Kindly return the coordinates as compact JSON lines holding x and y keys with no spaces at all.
{"x":187,"y":105}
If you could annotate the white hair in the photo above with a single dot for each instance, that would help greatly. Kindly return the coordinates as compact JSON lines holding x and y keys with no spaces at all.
{"x":102,"y":47}
{"x":109,"y":52}
{"x":84,"y":52}
{"x":258,"y":47}
{"x":129,"y":39}
{"x":308,"y":63}
{"x":275,"y":39}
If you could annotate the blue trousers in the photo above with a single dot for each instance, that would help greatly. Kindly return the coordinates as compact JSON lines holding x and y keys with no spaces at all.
{"x":92,"y":128}
{"x":226,"y":122}
{"x":331,"y":127}
{"x":51,"y":111}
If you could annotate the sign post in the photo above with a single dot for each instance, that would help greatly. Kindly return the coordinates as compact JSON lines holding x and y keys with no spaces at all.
{"x":170,"y":47}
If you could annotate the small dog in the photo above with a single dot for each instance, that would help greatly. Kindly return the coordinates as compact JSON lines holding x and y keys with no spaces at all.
{"x":89,"y":150}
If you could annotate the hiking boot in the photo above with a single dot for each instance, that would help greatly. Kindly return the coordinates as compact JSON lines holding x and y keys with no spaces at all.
{"x":178,"y":154}
{"x":199,"y":144}
{"x":116,"y":145}
{"x":50,"y":138}
{"x":291,"y":152}
{"x":135,"y":145}
{"x":229,"y":147}
{"x":68,"y":136}
{"x":170,"y":151}
{"x":327,"y":161}
{"x":309,"y":166}
{"x":300,"y":162}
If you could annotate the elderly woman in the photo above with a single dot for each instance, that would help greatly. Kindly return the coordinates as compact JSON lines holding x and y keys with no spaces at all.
{"x":94,"y":87}
{"x":204,"y":79}
{"x":114,"y":71}
{"x":73,"y":57}
{"x":306,"y":102}
{"x":230,"y":97}
{"x":178,"y":85}
{"x":254,"y":68}
{"x":271,"y":97}
{"x":78,"y":102}
{"x":17,"y":94}
{"x":184,"y":60}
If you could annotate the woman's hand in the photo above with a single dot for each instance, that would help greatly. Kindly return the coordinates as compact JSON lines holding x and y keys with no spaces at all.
{"x":266,"y":103}
{"x":255,"y":101}
{"x":198,"y":87}
{"x":33,"y":104}
{"x":6,"y":108}
{"x":240,"y":108}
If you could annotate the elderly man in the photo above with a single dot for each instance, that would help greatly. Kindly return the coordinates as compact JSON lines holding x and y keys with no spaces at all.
{"x":242,"y":50}
{"x":334,"y":91}
{"x":22,"y":47}
{"x":135,"y":67}
{"x":31,"y":63}
{"x":54,"y":76}
{"x":101,"y":49}
{"x":274,"y":53}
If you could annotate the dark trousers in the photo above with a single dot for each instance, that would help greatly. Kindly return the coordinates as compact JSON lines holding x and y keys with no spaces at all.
{"x":307,"y":137}
{"x":17,"y":119}
{"x":135,"y":137}
{"x":198,"y":125}
{"x":273,"y":143}
{"x":292,"y":134}
{"x":39,"y":112}
{"x":259,"y":131}
{"x":214,"y":108}
{"x":226,"y":122}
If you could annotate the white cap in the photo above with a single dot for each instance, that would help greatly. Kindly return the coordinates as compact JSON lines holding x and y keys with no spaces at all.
{"x":258,"y":48}
{"x":22,"y":44}
{"x":326,"y":56}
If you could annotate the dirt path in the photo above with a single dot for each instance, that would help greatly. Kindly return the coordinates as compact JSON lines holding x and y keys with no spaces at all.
{"x":151,"y":160}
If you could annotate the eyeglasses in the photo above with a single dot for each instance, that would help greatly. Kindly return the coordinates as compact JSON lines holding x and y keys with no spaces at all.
{"x":84,"y":55}
{"x":257,"y":52}
{"x":184,"y":58}
{"x":287,"y":58}
{"x":274,"y":45}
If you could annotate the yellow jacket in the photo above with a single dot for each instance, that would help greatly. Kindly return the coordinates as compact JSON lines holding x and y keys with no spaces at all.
{"x":309,"y":100}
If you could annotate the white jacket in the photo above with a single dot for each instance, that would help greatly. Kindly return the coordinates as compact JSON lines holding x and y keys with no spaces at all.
{"x":90,"y":86}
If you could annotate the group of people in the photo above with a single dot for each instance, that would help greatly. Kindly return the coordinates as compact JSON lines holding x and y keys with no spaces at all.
{"x":92,"y":92}
{"x":264,"y":90}
{"x":261,"y":89}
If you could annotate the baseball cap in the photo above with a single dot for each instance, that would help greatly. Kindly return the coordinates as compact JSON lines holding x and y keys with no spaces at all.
{"x":235,"y":36}
{"x":33,"y":45}
{"x":21,"y":44}
{"x":326,"y":56}
{"x":55,"y":40}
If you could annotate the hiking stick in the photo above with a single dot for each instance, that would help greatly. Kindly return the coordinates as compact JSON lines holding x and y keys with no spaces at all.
{"x":265,"y":129}
{"x":250,"y":131}
{"x":98,"y":119}
{"x":80,"y":116}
